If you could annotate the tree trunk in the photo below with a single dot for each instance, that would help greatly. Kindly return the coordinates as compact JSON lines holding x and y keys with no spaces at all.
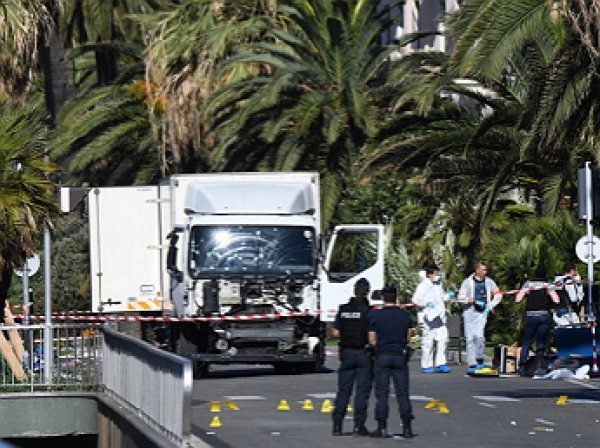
{"x":106,"y":67}
{"x":59,"y":86}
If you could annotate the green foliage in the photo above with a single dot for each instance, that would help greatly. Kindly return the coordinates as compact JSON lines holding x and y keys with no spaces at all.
{"x":69,"y":268}
{"x":515,"y":250}
{"x":313,"y":105}
{"x":107,"y":137}
{"x":401,"y":271}
{"x":286,"y":85}
{"x":26,"y":195}
{"x":489,"y":33}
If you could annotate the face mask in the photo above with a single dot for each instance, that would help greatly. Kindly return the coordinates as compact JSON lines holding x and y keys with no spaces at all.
{"x":436,"y":279}
{"x":576,"y":278}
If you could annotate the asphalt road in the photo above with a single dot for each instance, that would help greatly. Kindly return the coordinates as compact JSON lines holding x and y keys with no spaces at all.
{"x":482,"y":412}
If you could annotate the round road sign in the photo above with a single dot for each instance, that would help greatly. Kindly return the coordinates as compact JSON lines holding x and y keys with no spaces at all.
{"x":582,"y":249}
{"x":33,"y":264}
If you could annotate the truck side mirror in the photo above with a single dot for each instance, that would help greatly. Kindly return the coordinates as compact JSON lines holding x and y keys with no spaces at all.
{"x":172,"y":257}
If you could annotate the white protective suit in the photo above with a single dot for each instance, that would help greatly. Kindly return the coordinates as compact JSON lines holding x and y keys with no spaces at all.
{"x":431,"y":300}
{"x":475,"y":321}
{"x":574,"y":291}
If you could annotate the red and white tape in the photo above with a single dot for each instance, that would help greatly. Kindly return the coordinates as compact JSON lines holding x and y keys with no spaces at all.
{"x":88,"y":317}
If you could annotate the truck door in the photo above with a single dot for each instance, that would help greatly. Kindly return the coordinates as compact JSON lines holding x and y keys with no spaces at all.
{"x":354,"y":251}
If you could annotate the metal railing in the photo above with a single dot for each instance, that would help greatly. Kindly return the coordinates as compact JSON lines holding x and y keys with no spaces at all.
{"x":76,"y":357}
{"x":150,"y":382}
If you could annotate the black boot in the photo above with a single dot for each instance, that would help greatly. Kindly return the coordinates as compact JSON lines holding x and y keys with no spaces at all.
{"x":381,"y":430}
{"x":407,"y":429}
{"x":337,"y":429}
{"x":361,"y":431}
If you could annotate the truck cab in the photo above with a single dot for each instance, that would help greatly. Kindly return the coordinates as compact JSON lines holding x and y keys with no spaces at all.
{"x":246,"y":276}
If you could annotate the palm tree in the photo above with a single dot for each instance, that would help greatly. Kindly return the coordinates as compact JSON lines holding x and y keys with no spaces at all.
{"x":488,"y":34}
{"x":312,"y":106}
{"x":105,"y":135}
{"x":185,"y":45}
{"x":26,"y":195}
{"x":484,"y":151}
{"x":539,"y":50}
{"x":23,"y":24}
{"x":108,"y":134}
{"x":100,"y":25}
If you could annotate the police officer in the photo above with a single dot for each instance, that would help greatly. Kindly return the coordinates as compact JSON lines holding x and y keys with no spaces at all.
{"x":539,"y":295}
{"x":355,"y":362}
{"x":389,"y":332}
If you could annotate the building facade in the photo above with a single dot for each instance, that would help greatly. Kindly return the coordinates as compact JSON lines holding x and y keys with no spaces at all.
{"x":419,"y":15}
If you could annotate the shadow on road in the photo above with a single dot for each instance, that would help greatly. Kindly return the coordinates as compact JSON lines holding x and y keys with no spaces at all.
{"x":210,"y":439}
{"x":230,"y":371}
{"x":548,"y":393}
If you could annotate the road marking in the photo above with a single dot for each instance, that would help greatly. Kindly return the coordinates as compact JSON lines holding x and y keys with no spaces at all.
{"x":582,"y":401}
{"x":420,"y":398}
{"x":244,"y":397}
{"x":323,"y":395}
{"x":544,"y":422}
{"x":583,"y":383}
{"x":487,"y":405}
{"x":494,"y":398}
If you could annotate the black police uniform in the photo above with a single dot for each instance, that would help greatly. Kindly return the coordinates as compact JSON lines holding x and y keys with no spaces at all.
{"x":356,"y":364}
{"x":391,"y":324}
{"x":537,"y":320}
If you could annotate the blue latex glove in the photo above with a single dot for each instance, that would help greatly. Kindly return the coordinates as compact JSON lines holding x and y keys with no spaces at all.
{"x":481,"y":303}
{"x":486,"y":311}
{"x":430,"y":305}
{"x":451,"y":294}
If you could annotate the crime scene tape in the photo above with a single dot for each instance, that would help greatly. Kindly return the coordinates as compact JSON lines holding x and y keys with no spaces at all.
{"x":20,"y":305}
{"x":105,"y":318}
{"x":244,"y":317}
{"x":536,"y":288}
{"x":88,"y":317}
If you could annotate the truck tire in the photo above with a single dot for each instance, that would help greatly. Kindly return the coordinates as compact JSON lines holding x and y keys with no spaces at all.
{"x":292,"y":368}
{"x":200,"y":369}
{"x":316,"y":365}
{"x":183,"y":343}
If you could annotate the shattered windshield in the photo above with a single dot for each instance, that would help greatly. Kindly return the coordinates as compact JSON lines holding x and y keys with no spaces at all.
{"x":251,"y":250}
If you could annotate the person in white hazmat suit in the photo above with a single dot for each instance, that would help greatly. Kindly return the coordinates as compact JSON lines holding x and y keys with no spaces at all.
{"x":479,"y":294}
{"x":430,"y":300}
{"x":569,"y":289}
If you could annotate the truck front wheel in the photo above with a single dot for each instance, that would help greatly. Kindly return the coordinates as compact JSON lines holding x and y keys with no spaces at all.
{"x":314,"y":366}
{"x":184,"y":342}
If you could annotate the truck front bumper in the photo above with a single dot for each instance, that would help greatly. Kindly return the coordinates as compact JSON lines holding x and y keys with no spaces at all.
{"x":224,"y":358}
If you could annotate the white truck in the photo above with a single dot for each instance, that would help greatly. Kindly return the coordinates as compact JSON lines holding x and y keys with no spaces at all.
{"x":236,"y":262}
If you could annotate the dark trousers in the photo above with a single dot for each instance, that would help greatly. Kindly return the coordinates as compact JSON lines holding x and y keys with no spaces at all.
{"x":355,"y":368}
{"x":536,"y":329}
{"x":394,"y":366}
